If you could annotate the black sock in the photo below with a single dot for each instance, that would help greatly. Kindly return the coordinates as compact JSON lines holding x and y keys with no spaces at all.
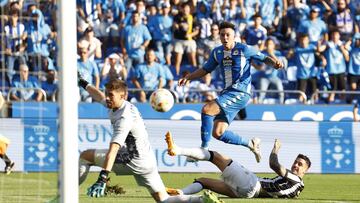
{"x":6,"y":159}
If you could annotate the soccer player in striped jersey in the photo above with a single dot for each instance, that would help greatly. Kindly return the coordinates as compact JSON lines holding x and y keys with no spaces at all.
{"x":239,"y":182}
{"x":234,"y":60}
{"x":130,"y":151}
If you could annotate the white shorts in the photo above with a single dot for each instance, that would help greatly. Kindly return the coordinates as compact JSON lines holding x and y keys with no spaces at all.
{"x":151,"y":180}
{"x":182,"y":46}
{"x":243,"y":182}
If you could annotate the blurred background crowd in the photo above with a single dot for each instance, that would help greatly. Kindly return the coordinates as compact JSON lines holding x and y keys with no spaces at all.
{"x":151,"y":44}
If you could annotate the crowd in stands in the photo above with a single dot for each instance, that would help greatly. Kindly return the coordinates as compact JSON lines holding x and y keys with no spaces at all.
{"x":150,"y":44}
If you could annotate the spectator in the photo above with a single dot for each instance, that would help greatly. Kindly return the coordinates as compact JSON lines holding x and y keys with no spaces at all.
{"x":324,"y":7}
{"x":271,"y":11}
{"x":355,"y":11}
{"x":216,"y":10}
{"x":202,"y":91}
{"x":304,"y":58}
{"x":168,"y":77}
{"x":355,"y":112}
{"x":134,"y":40}
{"x":88,"y":14}
{"x":109,"y":34}
{"x":336,"y":56}
{"x":39,"y":36}
{"x":235,"y":13}
{"x":342,"y":21}
{"x":296,"y":13}
{"x":255,"y":35}
{"x":116,"y":8}
{"x":50,"y":85}
{"x":184,"y":31}
{"x":49,"y":8}
{"x":182,"y":92}
{"x":162,"y":33}
{"x":2,"y":103}
{"x":354,"y":65}
{"x":92,"y":43}
{"x":203,"y":18}
{"x":24,"y":80}
{"x":15,"y":41}
{"x":268,"y":75}
{"x":314,"y":27}
{"x":137,"y":6}
{"x":4,"y":83}
{"x":206,"y":45}
{"x":89,"y":71}
{"x":114,"y":68}
{"x":147,"y":76}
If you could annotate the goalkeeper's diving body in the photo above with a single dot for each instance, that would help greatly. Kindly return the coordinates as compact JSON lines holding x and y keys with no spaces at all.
{"x":129,"y":151}
{"x":239,"y":182}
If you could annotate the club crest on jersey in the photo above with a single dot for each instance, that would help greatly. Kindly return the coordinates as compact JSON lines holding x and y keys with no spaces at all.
{"x":236,"y":52}
{"x":227,"y":62}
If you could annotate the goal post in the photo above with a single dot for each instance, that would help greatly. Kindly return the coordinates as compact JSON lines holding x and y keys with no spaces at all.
{"x":68,"y":105}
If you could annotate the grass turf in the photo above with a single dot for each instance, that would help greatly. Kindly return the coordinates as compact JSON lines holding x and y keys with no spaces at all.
{"x":42,"y":187}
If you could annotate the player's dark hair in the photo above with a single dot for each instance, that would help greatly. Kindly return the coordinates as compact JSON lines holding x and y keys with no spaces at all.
{"x":116,"y":84}
{"x":307,"y":160}
{"x":226,"y":24}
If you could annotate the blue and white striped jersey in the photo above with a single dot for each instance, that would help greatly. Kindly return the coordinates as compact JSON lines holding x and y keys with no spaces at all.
{"x":234,"y":65}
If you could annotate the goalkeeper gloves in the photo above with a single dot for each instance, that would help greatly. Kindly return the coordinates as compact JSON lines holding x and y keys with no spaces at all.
{"x":81,"y":82}
{"x":98,"y":188}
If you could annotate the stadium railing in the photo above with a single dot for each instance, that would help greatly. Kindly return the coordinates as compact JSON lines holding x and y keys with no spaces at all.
{"x":283,"y":91}
{"x":345,"y":92}
{"x":15,"y":89}
{"x":217,"y":91}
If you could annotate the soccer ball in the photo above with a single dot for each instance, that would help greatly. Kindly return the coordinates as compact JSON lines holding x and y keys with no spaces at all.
{"x":161,"y":100}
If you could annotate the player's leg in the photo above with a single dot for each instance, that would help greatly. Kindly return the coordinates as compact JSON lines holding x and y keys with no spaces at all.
{"x":263,"y":86}
{"x":230,"y":103}
{"x":9,"y":165}
{"x":199,"y":153}
{"x":208,"y":112}
{"x":152,"y":181}
{"x":179,"y":51}
{"x":215,"y":185}
{"x":86,"y":160}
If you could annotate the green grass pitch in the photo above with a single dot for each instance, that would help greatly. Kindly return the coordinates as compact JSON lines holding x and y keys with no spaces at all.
{"x":42,"y":187}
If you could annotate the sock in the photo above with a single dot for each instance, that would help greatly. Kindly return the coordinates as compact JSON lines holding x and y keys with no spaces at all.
{"x":84,"y":167}
{"x":233,"y":138}
{"x":207,"y":123}
{"x":193,"y":188}
{"x":183,"y":199}
{"x":6,"y":159}
{"x":196,"y":153}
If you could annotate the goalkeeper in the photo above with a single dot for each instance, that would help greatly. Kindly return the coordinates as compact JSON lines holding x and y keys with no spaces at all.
{"x":9,"y":165}
{"x":239,"y":182}
{"x":129,"y":150}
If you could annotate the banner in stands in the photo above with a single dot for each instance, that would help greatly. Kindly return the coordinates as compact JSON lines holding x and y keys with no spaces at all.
{"x":193,"y":112}
{"x":332,"y":146}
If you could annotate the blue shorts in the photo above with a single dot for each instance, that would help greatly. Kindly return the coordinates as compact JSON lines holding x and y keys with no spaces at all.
{"x":231,"y":102}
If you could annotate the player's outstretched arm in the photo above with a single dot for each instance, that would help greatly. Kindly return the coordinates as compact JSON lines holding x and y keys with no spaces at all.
{"x":98,"y":188}
{"x":277,"y":64}
{"x":96,"y":94}
{"x":194,"y":75}
{"x":274,"y":162}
